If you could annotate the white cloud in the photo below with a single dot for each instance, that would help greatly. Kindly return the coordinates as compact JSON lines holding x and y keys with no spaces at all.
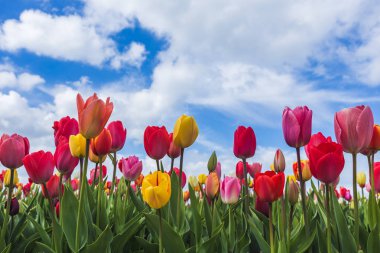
{"x":10,"y":77}
{"x":133,"y":55}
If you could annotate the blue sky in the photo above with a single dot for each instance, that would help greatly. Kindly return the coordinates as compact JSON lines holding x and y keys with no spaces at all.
{"x":228,"y":64}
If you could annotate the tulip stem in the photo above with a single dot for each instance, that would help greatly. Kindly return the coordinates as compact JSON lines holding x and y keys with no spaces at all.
{"x":114,"y":163}
{"x":81,"y":170}
{"x":356,"y":211}
{"x":180,"y":183}
{"x":171,"y":165}
{"x":94,"y":179}
{"x":55,"y":241}
{"x":100,"y":187}
{"x":328,"y":225}
{"x":246,"y":199}
{"x":283,"y":218}
{"x":60,"y":187}
{"x":303,"y":196}
{"x":160,"y":232}
{"x":7,"y":213}
{"x":81,"y":200}
{"x":271,"y":228}
{"x":158,"y":165}
{"x":290,"y":225}
{"x":372,"y":174}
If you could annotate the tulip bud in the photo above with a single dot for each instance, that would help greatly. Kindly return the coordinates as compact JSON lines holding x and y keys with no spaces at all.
{"x":202,"y":179}
{"x":7,"y":178}
{"x":185,"y":131}
{"x":139,"y":180}
{"x":15,"y":207}
{"x":101,"y":145}
{"x":63,"y":159}
{"x":57,"y":209}
{"x":305,"y":168}
{"x":244,"y":142}
{"x":131,"y":167}
{"x":240,"y":170}
{"x":212,"y":162}
{"x":77,"y":145}
{"x":296,"y":126}
{"x":174,"y":151}
{"x":361,"y":179}
{"x":212,"y":185}
{"x":118,"y":134}
{"x":279,"y":161}
{"x":293,"y":190}
{"x":156,"y":189}
{"x":12,"y":150}
{"x":230,"y":190}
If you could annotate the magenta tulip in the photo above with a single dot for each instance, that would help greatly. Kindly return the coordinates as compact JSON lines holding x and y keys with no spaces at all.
{"x":230,"y":190}
{"x":296,"y":126}
{"x":118,"y":134}
{"x":131,"y":167}
{"x":13,"y":149}
{"x":39,"y":166}
{"x":65,"y":127}
{"x":63,"y":159}
{"x":244,"y":142}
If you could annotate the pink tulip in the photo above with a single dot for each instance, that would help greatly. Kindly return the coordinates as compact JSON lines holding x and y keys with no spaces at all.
{"x":12,"y":150}
{"x":218,"y":169}
{"x":63,"y":159}
{"x":368,"y":187}
{"x":118,"y":134}
{"x":354,"y":128}
{"x":39,"y":166}
{"x":131,"y":167}
{"x":296,"y":126}
{"x":94,"y":177}
{"x":254,"y":168}
{"x":230,"y":190}
{"x":65,"y":127}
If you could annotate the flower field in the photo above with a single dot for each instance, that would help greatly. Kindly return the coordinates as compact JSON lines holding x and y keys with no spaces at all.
{"x":172,"y":210}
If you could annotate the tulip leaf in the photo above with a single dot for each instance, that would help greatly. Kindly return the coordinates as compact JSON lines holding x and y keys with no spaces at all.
{"x":21,"y":223}
{"x":373,"y":243}
{"x":147,"y":246}
{"x":373,"y":211}
{"x":40,"y":247}
{"x":209,"y":245}
{"x":101,"y":244}
{"x":69,"y":216}
{"x":231,"y":230}
{"x":302,"y":242}
{"x":196,"y":218}
{"x":207,"y":215}
{"x":131,"y":228}
{"x":137,"y":202}
{"x":41,"y":231}
{"x":264,"y":246}
{"x":171,"y":240}
{"x":7,"y":249}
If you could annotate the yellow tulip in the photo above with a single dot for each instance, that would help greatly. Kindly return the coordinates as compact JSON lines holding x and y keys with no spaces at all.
{"x":156,"y":189}
{"x":7,"y":178}
{"x":185,"y":131}
{"x":305,"y":168}
{"x":77,"y":145}
{"x":361,"y":179}
{"x":202,"y":178}
{"x":193,"y":181}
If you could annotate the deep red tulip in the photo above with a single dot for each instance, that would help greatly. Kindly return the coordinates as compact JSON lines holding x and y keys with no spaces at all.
{"x":63,"y":159}
{"x":53,"y":187}
{"x":342,"y":191}
{"x":239,"y":170}
{"x":65,"y":127}
{"x":174,"y":151}
{"x":57,"y":209}
{"x":12,"y":150}
{"x":26,"y":188}
{"x":296,"y":125}
{"x":262,"y":207}
{"x":101,"y":145}
{"x":93,"y":115}
{"x":118,"y":134}
{"x":183,"y":181}
{"x":39,"y":166}
{"x":354,"y":128}
{"x":376,"y":176}
{"x":269,"y":185}
{"x":156,"y":142}
{"x":326,"y":159}
{"x":244,"y":142}
{"x":15,"y":207}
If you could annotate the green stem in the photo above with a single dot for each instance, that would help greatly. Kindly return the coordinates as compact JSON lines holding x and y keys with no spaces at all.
{"x":356,"y":211}
{"x":81,"y":200}
{"x":7,"y":213}
{"x":271,"y":229}
{"x":100,"y":188}
{"x":114,"y":162}
{"x":55,"y":241}
{"x":283,"y":219}
{"x":81,"y":170}
{"x":96,"y":172}
{"x":303,"y":196}
{"x":158,"y":165}
{"x":160,"y":232}
{"x":60,"y":187}
{"x":327,"y":195}
{"x":290,"y":226}
{"x":180,"y":183}
{"x":171,"y":165}
{"x":246,"y":199}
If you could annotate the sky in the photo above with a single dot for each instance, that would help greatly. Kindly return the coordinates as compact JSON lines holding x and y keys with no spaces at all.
{"x":227,"y":63}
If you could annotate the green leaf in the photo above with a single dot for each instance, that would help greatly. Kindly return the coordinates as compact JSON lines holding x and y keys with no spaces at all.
{"x":101,"y":244}
{"x":373,"y":211}
{"x":212,"y":162}
{"x":69,"y":215}
{"x":208,"y":218}
{"x":302,"y":242}
{"x":196,"y":218}
{"x":131,"y":228}
{"x":137,"y":202}
{"x":21,"y":223}
{"x":209,"y":245}
{"x":41,"y":231}
{"x":40,"y":247}
{"x":373,"y":243}
{"x":171,"y":240}
{"x":231,"y":230}
{"x":7,"y":249}
{"x":264,"y":246}
{"x":147,"y":246}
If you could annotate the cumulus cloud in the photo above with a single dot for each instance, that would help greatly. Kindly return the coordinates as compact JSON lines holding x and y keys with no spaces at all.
{"x":134,"y":55}
{"x":12,"y":78}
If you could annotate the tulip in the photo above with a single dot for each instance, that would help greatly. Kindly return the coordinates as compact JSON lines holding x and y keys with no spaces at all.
{"x":131,"y":167}
{"x":96,"y":159}
{"x":269,"y":185}
{"x":174,"y":151}
{"x":15,"y":207}
{"x":244,"y":142}
{"x":293,"y":190}
{"x":183,"y":179}
{"x":26,"y":189}
{"x":185,"y":131}
{"x":376,"y":176}
{"x":57,"y":209}
{"x":94,"y":173}
{"x":212,"y":185}
{"x":156,"y":142}
{"x":39,"y":166}
{"x":74,"y":184}
{"x":354,"y":128}
{"x":93,"y":115}
{"x":375,"y":140}
{"x":305,"y":168}
{"x":202,"y":179}
{"x":52,"y":187}
{"x":193,"y":181}
{"x":12,"y":150}
{"x":361,"y":179}
{"x":119,"y":135}
{"x":279,"y":161}
{"x":239,"y":170}
{"x":262,"y":207}
{"x":316,"y":140}
{"x":368,"y":187}
{"x":230,"y":190}
{"x":186,"y":196}
{"x":254,"y":168}
{"x":77,"y":145}
{"x":218,"y":169}
{"x":63,"y":159}
{"x":156,"y":189}
{"x":101,"y":145}
{"x":296,"y":126}
{"x":139,"y":180}
{"x":63,"y":128}
{"x":348,"y":196}
{"x":7,"y":178}
{"x":326,"y":161}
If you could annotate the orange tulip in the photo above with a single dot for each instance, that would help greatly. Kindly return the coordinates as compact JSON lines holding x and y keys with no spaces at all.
{"x":212,"y":185}
{"x":93,"y":115}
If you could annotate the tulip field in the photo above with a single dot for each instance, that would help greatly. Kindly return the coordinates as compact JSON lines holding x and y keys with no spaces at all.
{"x":172,"y":210}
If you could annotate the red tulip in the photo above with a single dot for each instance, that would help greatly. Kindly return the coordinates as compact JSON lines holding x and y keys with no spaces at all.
{"x":12,"y":150}
{"x":269,"y":185}
{"x":15,"y":207}
{"x":93,"y":115}
{"x":118,"y":134}
{"x":354,"y":128}
{"x":39,"y":166}
{"x":254,"y":168}
{"x":74,"y":184}
{"x":65,"y":127}
{"x":315,"y":140}
{"x":326,"y":159}
{"x":53,"y":187}
{"x":57,"y":209}
{"x":376,"y":176}
{"x":262,"y":207}
{"x":240,"y":170}
{"x":296,"y":126}
{"x":26,"y":189}
{"x":63,"y":159}
{"x":183,"y":181}
{"x":342,"y":191}
{"x":156,"y":142}
{"x":174,"y":151}
{"x":101,"y":145}
{"x":244,"y":142}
